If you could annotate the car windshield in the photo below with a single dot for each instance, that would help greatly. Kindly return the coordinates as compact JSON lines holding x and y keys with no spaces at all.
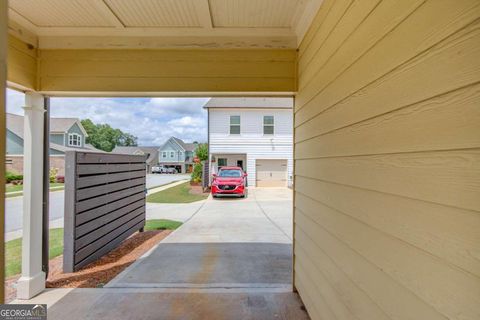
{"x":230,"y":173}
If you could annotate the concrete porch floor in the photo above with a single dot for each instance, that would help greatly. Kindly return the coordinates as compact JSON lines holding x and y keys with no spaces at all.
{"x":231,"y":260}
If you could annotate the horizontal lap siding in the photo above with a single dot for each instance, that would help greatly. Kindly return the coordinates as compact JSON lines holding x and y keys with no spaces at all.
{"x":387,"y":153}
{"x":182,"y":70}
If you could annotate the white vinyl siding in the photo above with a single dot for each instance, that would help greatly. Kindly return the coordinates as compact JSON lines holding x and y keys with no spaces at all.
{"x":252,"y":142}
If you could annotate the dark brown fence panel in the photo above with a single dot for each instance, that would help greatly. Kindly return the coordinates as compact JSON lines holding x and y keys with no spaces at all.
{"x":104,"y":204}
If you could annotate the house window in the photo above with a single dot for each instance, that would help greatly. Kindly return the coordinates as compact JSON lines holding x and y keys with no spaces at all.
{"x":234,"y":124}
{"x":164,"y":154}
{"x":222,"y":162}
{"x":74,"y":139}
{"x":268,"y":125}
{"x":172,"y":154}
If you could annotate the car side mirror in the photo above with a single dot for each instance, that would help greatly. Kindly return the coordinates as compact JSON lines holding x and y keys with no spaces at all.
{"x":245,"y":174}
{"x":214,"y":175}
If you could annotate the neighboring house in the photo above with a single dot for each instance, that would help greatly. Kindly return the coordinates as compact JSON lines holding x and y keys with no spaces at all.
{"x":177,"y":154}
{"x":255,"y":134}
{"x":150,"y":152}
{"x":65,"y":134}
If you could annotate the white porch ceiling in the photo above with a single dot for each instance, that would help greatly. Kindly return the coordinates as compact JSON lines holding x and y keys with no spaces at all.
{"x":162,"y":23}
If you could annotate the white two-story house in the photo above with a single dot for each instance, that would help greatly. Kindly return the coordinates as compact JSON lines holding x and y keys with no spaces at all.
{"x":255,"y":134}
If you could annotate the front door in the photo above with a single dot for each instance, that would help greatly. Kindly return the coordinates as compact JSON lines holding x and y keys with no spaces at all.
{"x":240,"y":164}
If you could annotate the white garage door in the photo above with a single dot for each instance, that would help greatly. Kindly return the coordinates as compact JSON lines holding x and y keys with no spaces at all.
{"x":271,"y":173}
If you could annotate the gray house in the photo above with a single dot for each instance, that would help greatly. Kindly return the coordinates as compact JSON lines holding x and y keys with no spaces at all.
{"x":177,"y":154}
{"x":151,"y":152}
{"x":65,"y":134}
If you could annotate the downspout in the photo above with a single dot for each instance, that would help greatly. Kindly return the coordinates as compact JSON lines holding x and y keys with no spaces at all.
{"x":46,"y":184}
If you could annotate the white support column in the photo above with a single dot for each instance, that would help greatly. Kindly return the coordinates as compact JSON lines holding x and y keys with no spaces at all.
{"x":32,"y":281}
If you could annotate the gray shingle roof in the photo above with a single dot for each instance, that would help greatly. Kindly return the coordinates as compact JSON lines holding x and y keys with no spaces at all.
{"x":15,"y":124}
{"x":250,"y":102}
{"x":185,"y":146}
{"x":151,"y":151}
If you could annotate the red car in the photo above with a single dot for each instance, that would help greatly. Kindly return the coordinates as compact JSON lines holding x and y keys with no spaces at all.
{"x":230,"y":181}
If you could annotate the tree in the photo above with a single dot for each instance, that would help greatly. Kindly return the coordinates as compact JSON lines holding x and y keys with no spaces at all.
{"x":104,"y":137}
{"x":202,"y":151}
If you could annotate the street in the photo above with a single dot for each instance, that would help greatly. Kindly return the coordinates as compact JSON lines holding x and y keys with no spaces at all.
{"x":14,"y":206}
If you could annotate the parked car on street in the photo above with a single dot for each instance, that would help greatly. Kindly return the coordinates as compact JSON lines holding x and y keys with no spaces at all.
{"x":230,"y":181}
{"x":171,"y":170}
{"x":159,"y":169}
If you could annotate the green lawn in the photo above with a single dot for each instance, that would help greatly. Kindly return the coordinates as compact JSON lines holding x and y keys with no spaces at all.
{"x":13,"y":248}
{"x":177,"y":194}
{"x":19,"y":187}
{"x":13,"y":251}
{"x":162,"y":224}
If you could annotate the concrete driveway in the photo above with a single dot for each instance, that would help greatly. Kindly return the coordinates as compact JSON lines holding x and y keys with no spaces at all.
{"x":232,"y":259}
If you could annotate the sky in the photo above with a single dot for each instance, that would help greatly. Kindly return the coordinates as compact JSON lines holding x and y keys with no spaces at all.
{"x":152,"y":120}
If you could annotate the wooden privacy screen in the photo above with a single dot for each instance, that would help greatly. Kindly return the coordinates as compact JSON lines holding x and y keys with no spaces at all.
{"x":104,"y":204}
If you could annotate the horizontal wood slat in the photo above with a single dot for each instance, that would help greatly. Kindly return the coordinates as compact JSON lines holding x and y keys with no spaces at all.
{"x":109,"y":168}
{"x":101,"y":179}
{"x":108,"y":188}
{"x":108,"y":198}
{"x":86,"y":216}
{"x":128,"y":221}
{"x":99,"y":158}
{"x":110,"y":246}
{"x":104,"y":204}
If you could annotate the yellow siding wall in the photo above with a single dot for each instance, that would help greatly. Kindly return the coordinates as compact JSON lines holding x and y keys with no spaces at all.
{"x":201,"y":70}
{"x":22,"y":63}
{"x":387,"y":153}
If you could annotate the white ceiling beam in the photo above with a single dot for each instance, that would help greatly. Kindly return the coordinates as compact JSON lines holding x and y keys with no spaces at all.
{"x":108,"y":13}
{"x":202,"y":8}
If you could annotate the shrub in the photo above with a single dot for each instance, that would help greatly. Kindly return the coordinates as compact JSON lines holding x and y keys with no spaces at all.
{"x":197,"y":173}
{"x":60,"y":179}
{"x":12,"y":176}
{"x":53,"y":174}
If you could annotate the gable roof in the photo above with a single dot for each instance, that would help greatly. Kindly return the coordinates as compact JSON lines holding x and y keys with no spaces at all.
{"x":57,"y":125}
{"x":183,"y":145}
{"x":250,"y":102}
{"x":151,"y":151}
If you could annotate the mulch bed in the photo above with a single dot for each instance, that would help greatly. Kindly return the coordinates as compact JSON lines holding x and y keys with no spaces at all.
{"x":197,"y":189}
{"x":100,"y":272}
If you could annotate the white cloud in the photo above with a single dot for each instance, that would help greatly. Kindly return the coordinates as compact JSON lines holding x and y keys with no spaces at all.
{"x":152,"y":120}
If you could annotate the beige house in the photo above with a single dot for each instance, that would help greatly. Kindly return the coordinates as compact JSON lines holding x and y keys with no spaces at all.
{"x":386,"y":126}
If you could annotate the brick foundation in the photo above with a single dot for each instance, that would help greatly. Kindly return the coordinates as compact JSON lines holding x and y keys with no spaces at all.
{"x":15,"y":164}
